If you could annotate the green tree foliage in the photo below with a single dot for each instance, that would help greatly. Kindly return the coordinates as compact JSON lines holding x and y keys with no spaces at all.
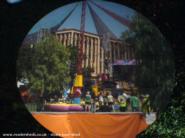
{"x":170,"y":124}
{"x":155,"y":69}
{"x":155,"y":75}
{"x":45,"y":65}
{"x":24,"y":61}
{"x":73,"y":60}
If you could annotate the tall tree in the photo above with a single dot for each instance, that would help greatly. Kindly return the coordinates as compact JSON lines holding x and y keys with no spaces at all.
{"x":155,"y":69}
{"x":73,"y":60}
{"x":45,"y":65}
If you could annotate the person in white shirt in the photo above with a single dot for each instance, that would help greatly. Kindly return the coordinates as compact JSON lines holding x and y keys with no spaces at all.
{"x":101,"y":98}
{"x":110,"y":99}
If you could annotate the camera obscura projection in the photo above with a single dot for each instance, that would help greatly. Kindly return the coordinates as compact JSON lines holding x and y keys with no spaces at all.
{"x":95,"y":56}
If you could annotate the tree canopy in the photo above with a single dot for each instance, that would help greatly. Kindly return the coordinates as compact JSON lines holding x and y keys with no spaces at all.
{"x":45,"y":65}
{"x":155,"y":70}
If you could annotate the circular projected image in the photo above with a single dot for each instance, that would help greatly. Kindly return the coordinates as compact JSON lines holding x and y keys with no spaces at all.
{"x":93,"y":68}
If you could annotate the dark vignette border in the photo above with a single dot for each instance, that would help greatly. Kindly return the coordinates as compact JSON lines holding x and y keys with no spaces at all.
{"x":16,"y":21}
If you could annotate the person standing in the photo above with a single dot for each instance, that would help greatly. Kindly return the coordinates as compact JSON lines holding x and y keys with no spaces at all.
{"x":104,"y":107}
{"x":87,"y":101}
{"x":122,"y":103}
{"x":135,"y":103}
{"x":93,"y":108}
{"x":110,"y":99}
{"x":101,"y":100}
{"x":97,"y":105}
{"x":82,"y":103}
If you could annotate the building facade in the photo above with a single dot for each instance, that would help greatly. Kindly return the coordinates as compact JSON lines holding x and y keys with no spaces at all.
{"x":93,"y":51}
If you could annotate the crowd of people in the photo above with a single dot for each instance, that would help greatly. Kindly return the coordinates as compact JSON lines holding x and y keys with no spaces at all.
{"x":106,"y":102}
